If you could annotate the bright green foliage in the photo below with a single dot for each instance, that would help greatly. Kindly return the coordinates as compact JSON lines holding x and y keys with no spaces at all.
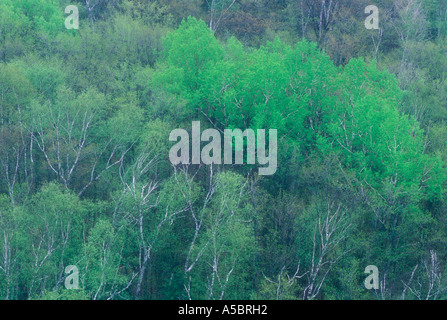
{"x":52,"y":225}
{"x":227,"y":241}
{"x":102,"y":261}
{"x":22,"y":22}
{"x":44,"y":15}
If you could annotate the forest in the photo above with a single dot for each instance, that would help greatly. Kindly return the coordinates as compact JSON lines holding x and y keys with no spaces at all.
{"x":92,"y":208}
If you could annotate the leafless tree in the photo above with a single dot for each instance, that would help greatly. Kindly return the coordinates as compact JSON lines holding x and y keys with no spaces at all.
{"x":212,"y":213}
{"x":224,"y":253}
{"x":145,"y":196}
{"x":428,"y":285}
{"x":16,"y":158}
{"x":196,"y":215}
{"x":319,"y":14}
{"x":62,"y":134}
{"x":284,"y":281}
{"x":8,"y":258}
{"x":330,"y":230}
{"x":218,"y":11}
{"x":410,"y":24}
{"x":183,"y":177}
{"x":94,"y":5}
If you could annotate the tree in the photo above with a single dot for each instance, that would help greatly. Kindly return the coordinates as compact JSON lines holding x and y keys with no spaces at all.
{"x":71,"y":132}
{"x":16,"y":153}
{"x":218,"y":10}
{"x":10,"y":234}
{"x":53,"y":226}
{"x":102,"y":261}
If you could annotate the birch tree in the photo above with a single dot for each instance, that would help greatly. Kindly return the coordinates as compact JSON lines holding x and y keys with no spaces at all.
{"x":16,"y":147}
{"x":71,"y":133}
{"x":9,"y":233}
{"x":102,"y":263}
{"x":218,"y":11}
{"x":53,"y":225}
{"x":146,"y":207}
{"x":329,"y":232}
{"x":222,"y":239}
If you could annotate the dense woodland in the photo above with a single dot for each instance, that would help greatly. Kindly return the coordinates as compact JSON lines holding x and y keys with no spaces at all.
{"x":85,"y":176}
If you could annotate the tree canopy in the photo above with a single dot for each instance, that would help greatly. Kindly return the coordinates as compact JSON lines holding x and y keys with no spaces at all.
{"x":85,"y":175}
